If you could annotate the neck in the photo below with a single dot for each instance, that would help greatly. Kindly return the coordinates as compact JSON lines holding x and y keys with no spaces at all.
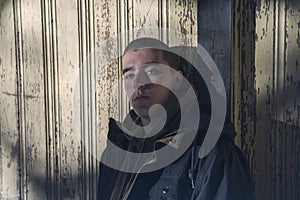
{"x":145,"y":120}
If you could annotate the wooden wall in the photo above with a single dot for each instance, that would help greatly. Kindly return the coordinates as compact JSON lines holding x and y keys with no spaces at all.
{"x":266,"y":93}
{"x":54,"y":102}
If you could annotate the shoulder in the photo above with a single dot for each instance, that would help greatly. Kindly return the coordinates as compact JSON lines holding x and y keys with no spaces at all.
{"x":223,"y":173}
{"x":224,"y":157}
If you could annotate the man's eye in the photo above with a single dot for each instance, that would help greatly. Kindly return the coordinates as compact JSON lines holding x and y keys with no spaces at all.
{"x":151,"y":72}
{"x":129,"y":76}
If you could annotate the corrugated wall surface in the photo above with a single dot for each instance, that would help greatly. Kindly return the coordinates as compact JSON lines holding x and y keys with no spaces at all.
{"x":46,"y":82}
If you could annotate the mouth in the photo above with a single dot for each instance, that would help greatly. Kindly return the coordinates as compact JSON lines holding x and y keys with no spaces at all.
{"x":140,"y":98}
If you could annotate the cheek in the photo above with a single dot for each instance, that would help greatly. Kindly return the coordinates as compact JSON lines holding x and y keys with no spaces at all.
{"x":128,"y":89}
{"x":166,"y":81}
{"x":161,"y":94}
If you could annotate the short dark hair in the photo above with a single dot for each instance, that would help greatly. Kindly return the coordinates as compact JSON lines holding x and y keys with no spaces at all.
{"x":155,"y":45}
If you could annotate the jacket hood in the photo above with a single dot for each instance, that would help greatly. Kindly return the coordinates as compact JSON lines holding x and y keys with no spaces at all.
{"x":132,"y":133}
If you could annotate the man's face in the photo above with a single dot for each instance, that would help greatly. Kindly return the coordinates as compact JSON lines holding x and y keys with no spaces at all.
{"x":146,"y":78}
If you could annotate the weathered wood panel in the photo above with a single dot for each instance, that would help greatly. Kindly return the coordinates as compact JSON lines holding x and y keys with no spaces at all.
{"x":288,"y":99}
{"x":49,"y":144}
{"x":183,"y":18}
{"x":55,"y":101}
{"x":243,"y":73}
{"x":267,"y":101}
{"x":214,"y":34}
{"x":50,"y":92}
{"x":31,"y":74}
{"x":67,"y":49}
{"x":9,"y":120}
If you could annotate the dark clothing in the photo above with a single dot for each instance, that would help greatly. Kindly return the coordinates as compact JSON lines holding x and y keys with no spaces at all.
{"x":222,"y":174}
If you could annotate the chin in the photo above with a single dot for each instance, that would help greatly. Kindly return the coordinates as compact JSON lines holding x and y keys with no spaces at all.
{"x":142,"y":113}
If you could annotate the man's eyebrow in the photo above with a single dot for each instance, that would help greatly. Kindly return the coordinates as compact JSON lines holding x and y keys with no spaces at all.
{"x":147,"y":64}
{"x":127,"y":69}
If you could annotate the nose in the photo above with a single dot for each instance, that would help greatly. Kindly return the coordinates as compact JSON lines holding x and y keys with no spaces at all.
{"x":140,"y":80}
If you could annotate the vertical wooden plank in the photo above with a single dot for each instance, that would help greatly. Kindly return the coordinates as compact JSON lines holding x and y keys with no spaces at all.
{"x":272,"y":123}
{"x":125,"y":23}
{"x":244,"y":93}
{"x":34,"y":145}
{"x":86,"y":92}
{"x":21,"y":98}
{"x":145,"y":14}
{"x":265,"y":140}
{"x":163,"y":18}
{"x":51,"y":98}
{"x":288,"y":102}
{"x":278,"y":76}
{"x":243,"y":74}
{"x":9,"y":132}
{"x":67,"y":51}
{"x":214,"y":34}
{"x":183,"y":19}
{"x":107,"y":65}
{"x":279,"y":96}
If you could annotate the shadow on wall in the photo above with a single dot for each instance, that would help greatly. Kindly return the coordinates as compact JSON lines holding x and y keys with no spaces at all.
{"x":37,"y":185}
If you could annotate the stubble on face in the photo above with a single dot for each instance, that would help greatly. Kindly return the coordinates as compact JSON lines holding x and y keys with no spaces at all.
{"x":150,"y":91}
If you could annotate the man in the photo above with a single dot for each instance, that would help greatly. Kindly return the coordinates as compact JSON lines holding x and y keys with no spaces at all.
{"x":153,"y":79}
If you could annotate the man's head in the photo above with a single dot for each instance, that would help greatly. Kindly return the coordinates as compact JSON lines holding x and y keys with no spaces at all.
{"x":150,"y":75}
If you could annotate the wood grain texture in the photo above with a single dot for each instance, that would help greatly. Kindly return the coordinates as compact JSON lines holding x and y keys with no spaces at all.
{"x":70,"y":148}
{"x":214,"y":34}
{"x":267,"y":99}
{"x":57,"y":90}
{"x":51,"y":96}
{"x":9,"y":120}
{"x":33,"y":136}
{"x":55,"y":98}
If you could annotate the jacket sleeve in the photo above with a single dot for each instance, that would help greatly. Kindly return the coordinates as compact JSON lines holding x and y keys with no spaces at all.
{"x":223,"y":175}
{"x":105,"y":182}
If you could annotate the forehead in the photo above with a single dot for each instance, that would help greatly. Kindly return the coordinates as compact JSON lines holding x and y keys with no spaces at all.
{"x":142,"y":56}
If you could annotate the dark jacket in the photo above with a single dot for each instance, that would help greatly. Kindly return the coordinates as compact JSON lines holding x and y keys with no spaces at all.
{"x":222,"y":174}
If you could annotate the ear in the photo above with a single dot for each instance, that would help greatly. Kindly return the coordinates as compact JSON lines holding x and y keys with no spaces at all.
{"x":178,"y":80}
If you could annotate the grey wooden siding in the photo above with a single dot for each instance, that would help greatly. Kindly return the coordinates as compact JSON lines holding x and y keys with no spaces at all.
{"x":53,"y":107}
{"x":266,"y":93}
{"x":53,"y":102}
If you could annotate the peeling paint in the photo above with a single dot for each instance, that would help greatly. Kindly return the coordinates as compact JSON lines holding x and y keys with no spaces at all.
{"x":269,"y":119}
{"x":26,"y":96}
{"x":15,"y":153}
{"x":57,"y":43}
{"x":298,"y":39}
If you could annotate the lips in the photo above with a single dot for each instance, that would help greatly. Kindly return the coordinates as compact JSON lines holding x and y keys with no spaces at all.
{"x":140,"y":98}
